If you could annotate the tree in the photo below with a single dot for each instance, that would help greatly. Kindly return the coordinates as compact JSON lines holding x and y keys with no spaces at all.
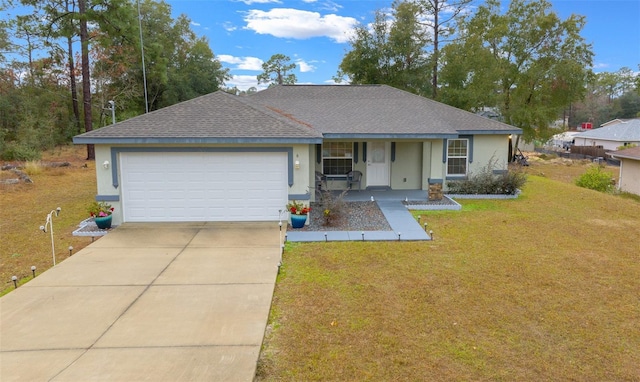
{"x":441,"y":17}
{"x":532,"y":63}
{"x":275,"y":71}
{"x":390,"y":51}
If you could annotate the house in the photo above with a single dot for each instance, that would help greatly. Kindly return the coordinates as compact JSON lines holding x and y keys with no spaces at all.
{"x":611,"y":135}
{"x":222,"y":157}
{"x":629,"y":169}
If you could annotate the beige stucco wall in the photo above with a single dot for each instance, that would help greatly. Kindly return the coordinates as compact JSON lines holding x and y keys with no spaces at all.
{"x":406,"y":170}
{"x":630,"y":176}
{"x":301,"y":179}
{"x":494,"y":148}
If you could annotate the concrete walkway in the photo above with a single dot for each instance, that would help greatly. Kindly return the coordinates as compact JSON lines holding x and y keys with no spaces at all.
{"x":403,"y":227}
{"x":154,"y":302}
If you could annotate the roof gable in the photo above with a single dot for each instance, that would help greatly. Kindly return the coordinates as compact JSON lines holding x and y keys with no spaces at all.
{"x":631,"y":153}
{"x":215,"y":117}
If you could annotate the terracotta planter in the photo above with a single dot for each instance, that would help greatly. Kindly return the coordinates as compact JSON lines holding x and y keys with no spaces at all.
{"x":103,"y":222}
{"x":297,"y":221}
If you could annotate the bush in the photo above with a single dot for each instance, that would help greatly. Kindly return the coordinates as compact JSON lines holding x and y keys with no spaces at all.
{"x":20,"y":152}
{"x":596,"y":179}
{"x":486,"y":182}
{"x":332,"y":207}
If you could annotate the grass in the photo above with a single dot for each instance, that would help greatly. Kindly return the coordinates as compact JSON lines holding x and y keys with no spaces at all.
{"x":543,"y":287}
{"x":24,"y":208}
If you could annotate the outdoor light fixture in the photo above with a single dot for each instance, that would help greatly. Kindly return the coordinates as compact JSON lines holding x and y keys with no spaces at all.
{"x":297,"y":164}
{"x":399,"y":233}
{"x":15,"y":281}
{"x":33,"y":270}
{"x":372,"y":198}
{"x":43,"y":228}
{"x":362,"y":235}
{"x":105,"y":164}
{"x":325,"y":237}
{"x":431,"y":234}
{"x":425,"y":227}
{"x":70,"y":250}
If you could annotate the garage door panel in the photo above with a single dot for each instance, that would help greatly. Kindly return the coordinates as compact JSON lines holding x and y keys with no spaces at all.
{"x":203,"y":186}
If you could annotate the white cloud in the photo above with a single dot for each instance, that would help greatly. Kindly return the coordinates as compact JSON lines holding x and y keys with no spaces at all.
{"x":195,"y":24}
{"x":242,"y":63}
{"x":244,"y":82}
{"x":229,"y":27}
{"x":305,"y":67}
{"x":249,"y":2}
{"x":298,"y":24}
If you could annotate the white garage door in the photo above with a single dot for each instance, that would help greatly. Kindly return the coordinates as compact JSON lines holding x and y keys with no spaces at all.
{"x":208,"y":186}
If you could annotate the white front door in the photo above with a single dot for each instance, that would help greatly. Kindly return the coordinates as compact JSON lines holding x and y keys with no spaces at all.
{"x":377,"y":164}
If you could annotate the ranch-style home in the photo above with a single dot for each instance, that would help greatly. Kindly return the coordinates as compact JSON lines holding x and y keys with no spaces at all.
{"x":222,"y":157}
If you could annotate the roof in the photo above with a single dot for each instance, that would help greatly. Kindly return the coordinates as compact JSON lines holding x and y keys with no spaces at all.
{"x":299,"y":114}
{"x":368,"y":111}
{"x":622,"y":131}
{"x":632,"y":153}
{"x":213,"y":118}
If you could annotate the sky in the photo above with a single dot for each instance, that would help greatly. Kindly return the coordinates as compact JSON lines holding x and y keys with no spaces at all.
{"x":315,"y":33}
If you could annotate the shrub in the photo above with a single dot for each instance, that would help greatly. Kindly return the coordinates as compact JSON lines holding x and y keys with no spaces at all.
{"x":596,"y":179}
{"x":20,"y":152}
{"x":332,"y":207}
{"x":33,"y":167}
{"x":486,"y":182}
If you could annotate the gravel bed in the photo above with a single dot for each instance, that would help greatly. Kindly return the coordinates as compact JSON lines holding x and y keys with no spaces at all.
{"x":358,"y":216}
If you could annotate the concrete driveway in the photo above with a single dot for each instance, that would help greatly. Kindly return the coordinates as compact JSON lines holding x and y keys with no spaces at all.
{"x":147,"y":302}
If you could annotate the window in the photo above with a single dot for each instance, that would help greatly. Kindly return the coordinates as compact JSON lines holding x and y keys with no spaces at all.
{"x":457,"y":156}
{"x":337,"y":158}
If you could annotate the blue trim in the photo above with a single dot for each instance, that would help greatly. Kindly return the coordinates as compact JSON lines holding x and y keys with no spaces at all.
{"x":389,"y":136}
{"x":107,"y":198}
{"x":79,"y":140}
{"x":515,"y":131}
{"x":456,"y":177}
{"x":115,"y":151}
{"x":444,"y":151}
{"x":306,"y":196}
{"x":393,"y":151}
{"x":435,"y":181}
{"x":500,"y":172}
{"x":355,"y":152}
{"x":364,"y":151}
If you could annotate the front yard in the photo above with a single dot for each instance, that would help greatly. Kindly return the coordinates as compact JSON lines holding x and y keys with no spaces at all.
{"x":544,"y":287}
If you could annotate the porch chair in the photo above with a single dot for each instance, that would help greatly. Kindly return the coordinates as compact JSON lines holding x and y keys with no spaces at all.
{"x":354,"y":177}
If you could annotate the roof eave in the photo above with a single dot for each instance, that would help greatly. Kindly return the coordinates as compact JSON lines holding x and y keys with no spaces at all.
{"x":514,"y":130}
{"x":365,"y":136}
{"x":80,"y":140}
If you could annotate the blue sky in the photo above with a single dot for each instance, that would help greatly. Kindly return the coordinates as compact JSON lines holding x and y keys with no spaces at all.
{"x":314,"y":33}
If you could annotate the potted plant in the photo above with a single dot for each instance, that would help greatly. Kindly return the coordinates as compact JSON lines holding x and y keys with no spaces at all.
{"x":298,"y":213}
{"x":101,"y":213}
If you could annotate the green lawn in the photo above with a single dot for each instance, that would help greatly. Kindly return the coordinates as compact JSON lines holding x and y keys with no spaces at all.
{"x":545,"y":287}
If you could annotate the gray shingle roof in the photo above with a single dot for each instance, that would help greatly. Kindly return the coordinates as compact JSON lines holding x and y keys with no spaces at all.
{"x":623,"y":131}
{"x":632,"y":153}
{"x":299,"y":113}
{"x":375,"y":110}
{"x":215,"y":117}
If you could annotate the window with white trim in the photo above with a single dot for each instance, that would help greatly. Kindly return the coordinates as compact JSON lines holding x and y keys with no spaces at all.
{"x":337,"y":158}
{"x":457,"y":156}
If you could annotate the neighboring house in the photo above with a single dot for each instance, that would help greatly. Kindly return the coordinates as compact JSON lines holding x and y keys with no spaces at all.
{"x":629,"y":169}
{"x":222,"y":157}
{"x":611,"y":135}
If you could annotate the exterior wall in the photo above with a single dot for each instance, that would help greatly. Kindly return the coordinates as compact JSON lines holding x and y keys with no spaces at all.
{"x":630,"y":176}
{"x":301,"y":189}
{"x":406,"y":170}
{"x":490,"y":148}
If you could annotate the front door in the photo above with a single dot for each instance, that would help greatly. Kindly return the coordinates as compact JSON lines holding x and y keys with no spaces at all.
{"x":377,"y":164}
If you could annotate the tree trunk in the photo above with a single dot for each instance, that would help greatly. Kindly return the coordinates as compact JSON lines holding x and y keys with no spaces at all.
{"x":86,"y":80}
{"x":436,"y":33}
{"x":74,"y":88}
